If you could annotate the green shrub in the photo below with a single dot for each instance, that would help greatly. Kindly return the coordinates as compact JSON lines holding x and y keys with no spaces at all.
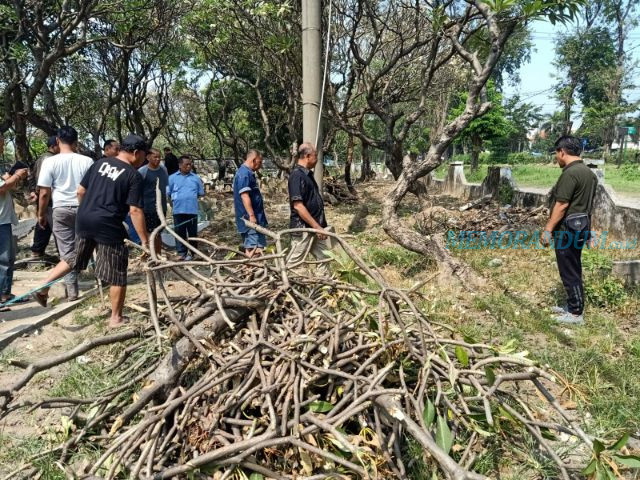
{"x":394,"y":256}
{"x":604,"y":292}
{"x":600,"y":289}
{"x":524,"y":158}
{"x":630,"y":171}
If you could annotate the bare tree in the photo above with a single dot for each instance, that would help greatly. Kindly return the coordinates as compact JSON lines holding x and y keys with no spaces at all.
{"x":451,"y":28}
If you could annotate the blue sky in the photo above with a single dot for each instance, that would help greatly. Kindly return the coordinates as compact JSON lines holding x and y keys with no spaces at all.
{"x":537,"y":77}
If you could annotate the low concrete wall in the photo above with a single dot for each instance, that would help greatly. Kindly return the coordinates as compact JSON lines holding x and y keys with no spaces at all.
{"x":628,"y":270}
{"x":608,"y":215}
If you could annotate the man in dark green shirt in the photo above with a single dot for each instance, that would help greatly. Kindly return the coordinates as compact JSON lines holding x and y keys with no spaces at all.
{"x":570,"y":224}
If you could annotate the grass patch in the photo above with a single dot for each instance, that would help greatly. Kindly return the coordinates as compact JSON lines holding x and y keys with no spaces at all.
{"x":14,"y":452}
{"x":407,"y":262}
{"x":7,"y":355}
{"x":599,"y":360}
{"x":82,"y":380}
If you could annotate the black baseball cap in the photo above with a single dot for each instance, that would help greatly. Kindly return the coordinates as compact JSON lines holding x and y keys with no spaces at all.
{"x":134,"y":142}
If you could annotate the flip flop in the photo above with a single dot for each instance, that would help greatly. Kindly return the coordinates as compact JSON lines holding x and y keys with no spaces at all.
{"x":12,"y":299}
{"x":40,"y":298}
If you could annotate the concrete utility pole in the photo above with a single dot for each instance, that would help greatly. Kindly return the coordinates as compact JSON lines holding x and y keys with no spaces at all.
{"x":312,"y":78}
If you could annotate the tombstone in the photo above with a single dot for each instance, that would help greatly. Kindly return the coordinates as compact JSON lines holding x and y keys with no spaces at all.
{"x":594,"y":165}
{"x":454,"y":183}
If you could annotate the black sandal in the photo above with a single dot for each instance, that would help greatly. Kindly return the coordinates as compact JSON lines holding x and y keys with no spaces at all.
{"x":12,"y":299}
{"x":41,"y":298}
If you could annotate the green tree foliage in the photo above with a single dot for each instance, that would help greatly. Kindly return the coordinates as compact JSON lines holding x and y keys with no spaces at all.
{"x":257,"y":46}
{"x":493,"y":125}
{"x":595,"y":69}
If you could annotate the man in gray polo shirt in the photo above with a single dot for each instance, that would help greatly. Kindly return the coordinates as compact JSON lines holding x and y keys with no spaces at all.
{"x":59,"y":178}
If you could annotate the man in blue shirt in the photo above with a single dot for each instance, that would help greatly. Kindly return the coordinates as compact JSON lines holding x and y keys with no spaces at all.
{"x":184,"y":189}
{"x":248,"y":204}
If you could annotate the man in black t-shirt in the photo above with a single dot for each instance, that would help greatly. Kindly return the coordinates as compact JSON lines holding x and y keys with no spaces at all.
{"x":170,"y":161}
{"x":110,"y":189}
{"x":307,"y":211}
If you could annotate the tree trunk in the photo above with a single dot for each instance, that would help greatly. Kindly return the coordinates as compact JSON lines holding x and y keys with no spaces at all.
{"x":97,"y":149}
{"x":348,"y":162}
{"x":20,"y":127}
{"x":567,"y":106}
{"x":366,"y":173}
{"x":476,"y":148}
{"x":394,"y":159}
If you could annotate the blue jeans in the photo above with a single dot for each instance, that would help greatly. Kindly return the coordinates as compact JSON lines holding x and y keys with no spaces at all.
{"x":186,"y":226}
{"x":253,"y":239}
{"x":7,"y":258}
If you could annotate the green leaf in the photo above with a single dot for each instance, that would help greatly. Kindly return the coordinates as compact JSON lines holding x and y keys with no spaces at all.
{"x":598,"y":447}
{"x":429,"y":413}
{"x":620,"y":443}
{"x":491,"y":375}
{"x":506,"y":414}
{"x":632,"y":461}
{"x":462,"y":356}
{"x":509,"y":347}
{"x":256,"y":476}
{"x":320,"y":406}
{"x":444,"y":439}
{"x":548,"y":434}
{"x":600,"y":472}
{"x":469,"y":339}
{"x":590,"y":468}
{"x":610,"y":474}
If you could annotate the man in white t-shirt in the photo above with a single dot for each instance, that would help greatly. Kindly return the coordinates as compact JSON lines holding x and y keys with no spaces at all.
{"x":59,"y":178}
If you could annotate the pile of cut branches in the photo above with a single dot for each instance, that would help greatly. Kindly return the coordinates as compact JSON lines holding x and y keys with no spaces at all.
{"x":483,"y":217}
{"x":270,"y":371}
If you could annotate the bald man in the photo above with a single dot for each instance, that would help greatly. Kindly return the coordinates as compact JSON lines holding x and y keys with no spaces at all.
{"x":307,"y":211}
{"x":248,"y":204}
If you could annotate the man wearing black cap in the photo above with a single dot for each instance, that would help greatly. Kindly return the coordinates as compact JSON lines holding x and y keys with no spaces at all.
{"x":111,"y":188}
{"x":41,"y":235}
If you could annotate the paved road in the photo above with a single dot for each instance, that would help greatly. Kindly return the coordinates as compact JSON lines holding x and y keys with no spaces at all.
{"x":29,"y":316}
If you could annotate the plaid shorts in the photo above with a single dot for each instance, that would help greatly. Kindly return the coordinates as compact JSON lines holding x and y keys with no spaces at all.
{"x":111,"y":260}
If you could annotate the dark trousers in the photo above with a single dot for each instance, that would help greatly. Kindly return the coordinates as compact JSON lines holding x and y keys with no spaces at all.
{"x":185,"y":225}
{"x":568,"y":248}
{"x":41,"y":236}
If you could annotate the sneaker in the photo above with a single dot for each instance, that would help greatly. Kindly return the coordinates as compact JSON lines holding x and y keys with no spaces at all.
{"x":559,"y":310}
{"x":569,"y":319}
{"x":187,"y":258}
